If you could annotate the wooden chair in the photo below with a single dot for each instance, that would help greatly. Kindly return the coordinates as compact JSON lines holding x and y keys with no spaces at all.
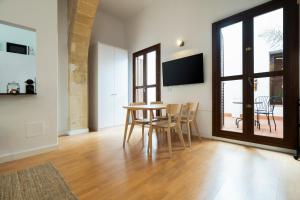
{"x":137,"y":121}
{"x":160,"y":116}
{"x":189,"y":119}
{"x":167,"y":126}
{"x":156,"y":102}
{"x":157,"y":118}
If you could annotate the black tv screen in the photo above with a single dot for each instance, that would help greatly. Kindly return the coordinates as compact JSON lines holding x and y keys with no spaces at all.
{"x":188,"y":70}
{"x":16,"y":48}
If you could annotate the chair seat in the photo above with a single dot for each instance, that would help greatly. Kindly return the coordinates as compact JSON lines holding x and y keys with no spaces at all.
{"x":163,"y":124}
{"x":146,"y":120}
{"x":142,"y":121}
{"x":162,"y":117}
{"x":262,"y":112}
{"x":185,"y":120}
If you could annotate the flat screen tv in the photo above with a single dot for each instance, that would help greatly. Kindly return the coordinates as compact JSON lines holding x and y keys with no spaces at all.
{"x":16,"y":48}
{"x":188,"y":70}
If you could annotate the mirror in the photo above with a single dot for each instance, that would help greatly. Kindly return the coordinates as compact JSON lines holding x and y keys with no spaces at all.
{"x":17,"y":60}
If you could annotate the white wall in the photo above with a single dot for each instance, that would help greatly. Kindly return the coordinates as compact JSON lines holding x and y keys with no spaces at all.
{"x":29,"y":123}
{"x":63,"y":66}
{"x":108,"y":30}
{"x":164,"y":22}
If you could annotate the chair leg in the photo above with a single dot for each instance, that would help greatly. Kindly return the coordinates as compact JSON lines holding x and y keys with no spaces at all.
{"x":258,"y":122}
{"x":191,"y":130}
{"x":274,"y":121}
{"x":197,"y":128}
{"x":157,"y":136}
{"x":130,"y":132}
{"x":161,"y":136}
{"x":189,"y":134}
{"x":180,"y":135}
{"x":150,"y":142}
{"x":143,"y":134}
{"x":169,"y":141}
{"x":268,"y":116}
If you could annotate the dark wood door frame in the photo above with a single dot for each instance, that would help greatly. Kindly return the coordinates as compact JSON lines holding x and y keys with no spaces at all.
{"x":144,"y":52}
{"x":290,"y":73}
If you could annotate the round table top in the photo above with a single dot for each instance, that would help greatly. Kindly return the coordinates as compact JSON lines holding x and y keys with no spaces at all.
{"x":240,"y":102}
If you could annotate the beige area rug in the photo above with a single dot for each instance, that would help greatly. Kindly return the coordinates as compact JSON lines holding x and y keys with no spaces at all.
{"x":36,"y":183}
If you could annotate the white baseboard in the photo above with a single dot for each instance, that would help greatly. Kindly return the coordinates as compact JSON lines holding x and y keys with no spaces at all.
{"x":77,"y":132}
{"x":27,"y":153}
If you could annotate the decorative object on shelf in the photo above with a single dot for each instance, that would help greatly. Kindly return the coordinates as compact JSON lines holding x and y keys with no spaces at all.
{"x":180,"y":43}
{"x":13,"y":88}
{"x":30,"y":86}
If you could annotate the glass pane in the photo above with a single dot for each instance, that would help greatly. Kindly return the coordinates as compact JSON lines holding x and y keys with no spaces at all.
{"x":151,"y":68}
{"x":151,"y":95}
{"x":139,"y":95}
{"x":232,"y":50}
{"x":139,"y":98}
{"x":139,"y":71}
{"x":232,"y":106}
{"x":268,"y":42}
{"x":268,"y":106}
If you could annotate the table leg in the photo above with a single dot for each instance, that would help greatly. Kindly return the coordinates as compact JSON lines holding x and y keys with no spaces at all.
{"x":126,"y":127}
{"x":150,"y":134}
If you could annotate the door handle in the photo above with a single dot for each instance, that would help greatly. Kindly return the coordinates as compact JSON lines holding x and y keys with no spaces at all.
{"x":249,"y":106}
{"x":248,"y":49}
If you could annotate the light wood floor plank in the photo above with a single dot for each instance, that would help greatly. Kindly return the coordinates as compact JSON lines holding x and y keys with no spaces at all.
{"x":97,"y":167}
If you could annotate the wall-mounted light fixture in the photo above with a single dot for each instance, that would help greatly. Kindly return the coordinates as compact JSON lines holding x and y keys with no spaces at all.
{"x":180,"y":43}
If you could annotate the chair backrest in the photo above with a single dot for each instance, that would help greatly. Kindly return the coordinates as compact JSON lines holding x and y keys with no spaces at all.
{"x":156,"y":103}
{"x":174,"y":112}
{"x":193,"y":109}
{"x":137,"y":103}
{"x":137,"y":114}
{"x":261,"y":103}
{"x":185,"y":111}
{"x":266,"y":103}
{"x":274,"y":100}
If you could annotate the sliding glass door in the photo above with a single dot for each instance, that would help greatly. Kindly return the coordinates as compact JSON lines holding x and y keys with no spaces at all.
{"x":255,"y":75}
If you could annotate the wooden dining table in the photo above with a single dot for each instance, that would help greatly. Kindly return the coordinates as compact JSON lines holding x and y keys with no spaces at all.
{"x":151,"y":109}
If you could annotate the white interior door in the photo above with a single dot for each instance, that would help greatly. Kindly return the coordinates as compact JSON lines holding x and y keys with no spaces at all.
{"x":121,"y":85}
{"x":106,"y":86}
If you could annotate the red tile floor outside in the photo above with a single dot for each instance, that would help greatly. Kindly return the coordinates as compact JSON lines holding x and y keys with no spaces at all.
{"x":229,"y":125}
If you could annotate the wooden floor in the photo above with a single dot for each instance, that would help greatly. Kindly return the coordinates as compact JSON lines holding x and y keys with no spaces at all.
{"x":97,"y":167}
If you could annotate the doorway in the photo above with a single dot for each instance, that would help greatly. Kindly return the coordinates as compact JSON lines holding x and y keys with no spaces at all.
{"x":255,"y":75}
{"x":146,"y":75}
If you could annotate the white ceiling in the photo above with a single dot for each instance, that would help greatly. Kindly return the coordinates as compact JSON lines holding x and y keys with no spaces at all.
{"x":123,"y":9}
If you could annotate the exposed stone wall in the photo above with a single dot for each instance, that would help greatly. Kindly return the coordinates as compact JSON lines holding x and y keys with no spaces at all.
{"x":81,"y":15}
